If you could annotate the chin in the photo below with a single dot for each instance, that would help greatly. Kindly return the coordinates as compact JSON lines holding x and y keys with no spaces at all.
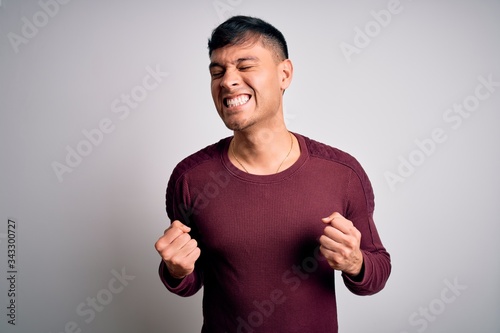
{"x":237,"y":125}
{"x":234,"y":127}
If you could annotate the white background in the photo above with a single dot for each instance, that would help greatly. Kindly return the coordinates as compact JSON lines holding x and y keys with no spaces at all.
{"x":439,"y":221}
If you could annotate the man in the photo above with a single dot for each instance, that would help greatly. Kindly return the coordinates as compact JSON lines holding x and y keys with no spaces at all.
{"x":263,"y":219}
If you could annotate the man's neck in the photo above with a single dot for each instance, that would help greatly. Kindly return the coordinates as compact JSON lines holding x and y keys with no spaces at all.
{"x":264,"y":151}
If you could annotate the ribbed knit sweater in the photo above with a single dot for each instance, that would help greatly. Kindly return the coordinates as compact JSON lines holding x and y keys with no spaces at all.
{"x":260,"y":267}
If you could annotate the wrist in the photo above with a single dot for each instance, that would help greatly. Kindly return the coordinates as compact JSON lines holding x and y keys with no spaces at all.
{"x":173,"y":274}
{"x":357,"y":275}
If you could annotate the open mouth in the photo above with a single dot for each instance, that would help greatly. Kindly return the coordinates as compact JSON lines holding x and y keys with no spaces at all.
{"x":236,"y":101}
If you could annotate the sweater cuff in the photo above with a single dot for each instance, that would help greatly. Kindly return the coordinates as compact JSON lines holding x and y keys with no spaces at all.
{"x":359,"y":284}
{"x":358,"y":278}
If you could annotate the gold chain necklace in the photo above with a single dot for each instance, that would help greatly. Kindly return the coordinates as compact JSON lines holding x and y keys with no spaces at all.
{"x":279,"y":167}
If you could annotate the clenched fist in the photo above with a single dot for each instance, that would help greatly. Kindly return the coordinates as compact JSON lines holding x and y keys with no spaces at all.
{"x":178,"y":250}
{"x":340,"y":244}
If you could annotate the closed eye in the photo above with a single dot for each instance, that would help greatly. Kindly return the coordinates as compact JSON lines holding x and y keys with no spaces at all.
{"x":245,"y":68}
{"x":216,"y":74}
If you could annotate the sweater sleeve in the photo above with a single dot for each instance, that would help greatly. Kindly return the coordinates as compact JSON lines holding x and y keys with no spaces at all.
{"x":376,"y":260}
{"x":186,"y":287}
{"x":179,"y":207}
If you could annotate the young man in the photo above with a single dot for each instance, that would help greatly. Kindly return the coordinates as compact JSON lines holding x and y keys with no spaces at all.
{"x":263,"y":219}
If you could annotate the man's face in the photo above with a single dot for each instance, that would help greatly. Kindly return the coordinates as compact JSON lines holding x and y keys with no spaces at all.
{"x":248,"y":82}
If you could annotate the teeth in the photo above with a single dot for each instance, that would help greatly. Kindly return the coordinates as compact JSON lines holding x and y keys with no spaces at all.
{"x":240,"y":100}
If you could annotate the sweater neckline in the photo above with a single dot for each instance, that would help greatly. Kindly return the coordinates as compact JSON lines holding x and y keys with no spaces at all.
{"x":272,"y":178}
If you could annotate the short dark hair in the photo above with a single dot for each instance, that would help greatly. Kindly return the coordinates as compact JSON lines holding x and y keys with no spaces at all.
{"x":240,"y":29}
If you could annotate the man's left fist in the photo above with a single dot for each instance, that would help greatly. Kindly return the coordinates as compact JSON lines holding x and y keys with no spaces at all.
{"x":340,"y":244}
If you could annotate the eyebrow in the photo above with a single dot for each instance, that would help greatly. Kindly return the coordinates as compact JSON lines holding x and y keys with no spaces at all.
{"x":216,"y":64}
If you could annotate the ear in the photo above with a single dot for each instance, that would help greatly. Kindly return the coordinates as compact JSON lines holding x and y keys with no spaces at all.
{"x":286,"y":73}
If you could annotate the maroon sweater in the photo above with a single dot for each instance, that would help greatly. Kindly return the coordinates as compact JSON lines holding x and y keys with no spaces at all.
{"x":260,"y":267}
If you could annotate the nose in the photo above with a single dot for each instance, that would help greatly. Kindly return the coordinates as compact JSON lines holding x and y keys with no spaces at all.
{"x":230,"y":79}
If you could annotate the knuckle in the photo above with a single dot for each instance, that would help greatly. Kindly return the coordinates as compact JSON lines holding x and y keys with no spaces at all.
{"x":171,"y":231}
{"x":158,"y":246}
{"x":176,"y":261}
{"x":166,"y":255}
{"x":351,"y":242}
{"x":185,"y":238}
{"x":322,"y":241}
{"x":161,"y":244}
{"x":175,"y":224}
{"x":169,"y":254}
{"x":358,"y":234}
{"x":328,"y":230}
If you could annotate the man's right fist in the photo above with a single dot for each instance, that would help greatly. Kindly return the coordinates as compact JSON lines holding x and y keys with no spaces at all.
{"x":178,"y":250}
